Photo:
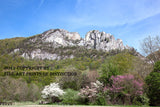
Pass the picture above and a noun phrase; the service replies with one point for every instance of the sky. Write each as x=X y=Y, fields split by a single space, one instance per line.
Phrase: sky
x=129 y=20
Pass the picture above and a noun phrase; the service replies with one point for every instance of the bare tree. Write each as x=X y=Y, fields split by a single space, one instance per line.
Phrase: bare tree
x=150 y=46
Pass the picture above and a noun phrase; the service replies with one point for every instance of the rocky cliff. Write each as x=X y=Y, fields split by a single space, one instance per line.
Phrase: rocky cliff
x=104 y=41
x=53 y=43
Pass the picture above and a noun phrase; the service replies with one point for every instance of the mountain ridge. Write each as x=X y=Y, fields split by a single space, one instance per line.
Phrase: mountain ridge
x=56 y=44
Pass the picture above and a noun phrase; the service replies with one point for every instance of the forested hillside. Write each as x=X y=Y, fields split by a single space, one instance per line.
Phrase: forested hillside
x=92 y=77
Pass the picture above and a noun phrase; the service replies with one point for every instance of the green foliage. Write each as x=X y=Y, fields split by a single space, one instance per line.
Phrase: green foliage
x=141 y=100
x=157 y=67
x=86 y=63
x=94 y=65
x=153 y=82
x=40 y=80
x=8 y=45
x=123 y=61
x=73 y=82
x=70 y=97
x=101 y=99
x=70 y=84
x=107 y=70
x=116 y=65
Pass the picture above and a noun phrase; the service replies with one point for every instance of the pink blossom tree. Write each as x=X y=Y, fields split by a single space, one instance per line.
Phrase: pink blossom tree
x=90 y=93
x=125 y=87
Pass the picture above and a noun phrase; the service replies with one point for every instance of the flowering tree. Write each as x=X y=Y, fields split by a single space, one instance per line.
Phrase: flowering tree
x=90 y=93
x=125 y=86
x=52 y=92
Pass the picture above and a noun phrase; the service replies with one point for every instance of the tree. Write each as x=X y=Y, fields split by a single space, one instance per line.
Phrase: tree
x=150 y=46
x=89 y=94
x=157 y=67
x=125 y=88
x=141 y=68
x=107 y=71
x=52 y=92
x=153 y=82
x=116 y=65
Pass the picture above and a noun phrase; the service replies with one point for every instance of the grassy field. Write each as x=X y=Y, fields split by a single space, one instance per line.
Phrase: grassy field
x=30 y=104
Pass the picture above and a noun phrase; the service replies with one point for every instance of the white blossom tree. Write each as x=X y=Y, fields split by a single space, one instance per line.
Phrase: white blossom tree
x=52 y=92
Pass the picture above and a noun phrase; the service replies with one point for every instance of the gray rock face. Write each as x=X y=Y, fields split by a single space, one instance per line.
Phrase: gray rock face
x=56 y=38
x=39 y=54
x=60 y=37
x=101 y=40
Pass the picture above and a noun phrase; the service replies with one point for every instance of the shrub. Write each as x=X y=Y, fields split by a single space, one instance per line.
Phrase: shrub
x=141 y=100
x=52 y=92
x=157 y=67
x=125 y=88
x=89 y=94
x=102 y=98
x=70 y=97
x=107 y=70
x=153 y=82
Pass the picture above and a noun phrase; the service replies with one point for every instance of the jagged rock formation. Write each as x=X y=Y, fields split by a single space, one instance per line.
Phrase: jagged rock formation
x=57 y=37
x=50 y=44
x=101 y=40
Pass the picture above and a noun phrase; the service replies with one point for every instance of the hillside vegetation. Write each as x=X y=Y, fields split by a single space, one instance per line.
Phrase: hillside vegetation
x=102 y=78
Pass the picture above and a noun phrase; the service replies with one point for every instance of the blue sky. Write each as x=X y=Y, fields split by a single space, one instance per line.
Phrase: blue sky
x=129 y=20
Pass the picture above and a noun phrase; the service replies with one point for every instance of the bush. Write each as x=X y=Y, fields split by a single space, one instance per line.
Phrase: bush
x=141 y=100
x=102 y=98
x=107 y=70
x=125 y=88
x=89 y=94
x=70 y=97
x=157 y=67
x=153 y=82
x=52 y=92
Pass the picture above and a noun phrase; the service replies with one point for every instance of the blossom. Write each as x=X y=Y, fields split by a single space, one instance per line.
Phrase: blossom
x=92 y=91
x=52 y=90
x=126 y=83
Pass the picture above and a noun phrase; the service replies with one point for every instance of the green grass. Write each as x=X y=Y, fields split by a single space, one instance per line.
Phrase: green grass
x=32 y=104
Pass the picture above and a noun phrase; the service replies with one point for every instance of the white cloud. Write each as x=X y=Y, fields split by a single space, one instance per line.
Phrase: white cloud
x=112 y=13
